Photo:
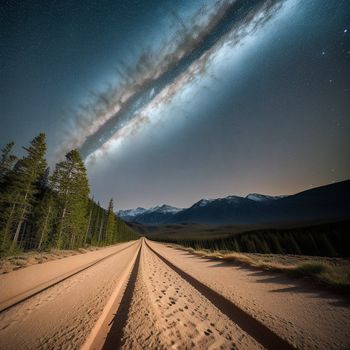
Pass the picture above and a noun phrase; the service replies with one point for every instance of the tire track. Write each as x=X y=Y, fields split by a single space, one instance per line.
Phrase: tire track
x=114 y=336
x=160 y=310
x=9 y=304
x=63 y=316
x=262 y=334
x=185 y=317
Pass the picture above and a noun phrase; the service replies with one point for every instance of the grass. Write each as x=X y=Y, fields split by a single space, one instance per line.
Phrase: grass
x=331 y=272
x=326 y=273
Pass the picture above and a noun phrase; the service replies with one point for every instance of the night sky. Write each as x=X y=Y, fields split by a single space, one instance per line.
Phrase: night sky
x=170 y=101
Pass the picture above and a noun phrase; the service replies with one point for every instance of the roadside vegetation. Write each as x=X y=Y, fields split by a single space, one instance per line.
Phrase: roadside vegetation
x=332 y=272
x=327 y=273
x=43 y=211
x=330 y=239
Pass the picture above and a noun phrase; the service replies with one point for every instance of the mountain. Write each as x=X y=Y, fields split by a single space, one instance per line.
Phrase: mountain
x=152 y=216
x=262 y=197
x=326 y=203
x=164 y=213
x=130 y=214
x=228 y=210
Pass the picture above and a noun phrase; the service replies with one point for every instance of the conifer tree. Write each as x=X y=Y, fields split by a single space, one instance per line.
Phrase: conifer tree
x=100 y=237
x=44 y=215
x=7 y=160
x=117 y=229
x=90 y=218
x=95 y=224
x=44 y=179
x=19 y=194
x=6 y=163
x=110 y=224
x=70 y=183
x=41 y=211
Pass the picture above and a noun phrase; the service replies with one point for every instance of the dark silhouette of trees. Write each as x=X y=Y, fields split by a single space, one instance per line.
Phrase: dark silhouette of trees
x=39 y=211
x=70 y=184
x=19 y=196
x=330 y=239
x=111 y=223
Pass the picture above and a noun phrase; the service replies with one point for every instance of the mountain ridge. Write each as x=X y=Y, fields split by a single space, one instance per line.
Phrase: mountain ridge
x=324 y=202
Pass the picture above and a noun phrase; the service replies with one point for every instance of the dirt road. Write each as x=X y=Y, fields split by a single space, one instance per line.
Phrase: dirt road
x=145 y=295
x=61 y=316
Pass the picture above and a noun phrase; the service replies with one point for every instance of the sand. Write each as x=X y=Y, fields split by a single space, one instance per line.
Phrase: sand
x=157 y=297
x=63 y=316
x=167 y=312
x=15 y=285
x=306 y=317
x=25 y=259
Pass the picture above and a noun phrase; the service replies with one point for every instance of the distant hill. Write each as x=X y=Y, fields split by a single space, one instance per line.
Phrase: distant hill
x=322 y=204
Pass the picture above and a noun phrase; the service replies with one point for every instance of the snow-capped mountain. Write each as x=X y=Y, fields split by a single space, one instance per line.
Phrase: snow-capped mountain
x=164 y=209
x=162 y=214
x=129 y=214
x=262 y=197
x=154 y=215
x=323 y=203
x=203 y=202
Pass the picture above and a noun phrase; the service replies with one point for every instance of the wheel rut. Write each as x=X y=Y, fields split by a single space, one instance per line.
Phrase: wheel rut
x=9 y=304
x=154 y=305
x=262 y=334
x=162 y=308
x=114 y=336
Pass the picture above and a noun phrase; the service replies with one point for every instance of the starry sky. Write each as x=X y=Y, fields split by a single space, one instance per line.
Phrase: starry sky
x=170 y=101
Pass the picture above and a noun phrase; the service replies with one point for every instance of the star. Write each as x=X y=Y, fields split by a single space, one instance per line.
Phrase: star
x=323 y=52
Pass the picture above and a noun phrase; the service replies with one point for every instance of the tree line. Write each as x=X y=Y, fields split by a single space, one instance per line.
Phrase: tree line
x=39 y=210
x=331 y=239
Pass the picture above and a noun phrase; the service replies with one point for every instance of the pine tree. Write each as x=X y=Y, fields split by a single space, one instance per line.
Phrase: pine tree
x=44 y=215
x=276 y=246
x=7 y=219
x=116 y=234
x=117 y=230
x=236 y=246
x=95 y=223
x=7 y=160
x=19 y=194
x=110 y=225
x=6 y=163
x=100 y=237
x=70 y=183
x=90 y=218
x=326 y=247
x=44 y=179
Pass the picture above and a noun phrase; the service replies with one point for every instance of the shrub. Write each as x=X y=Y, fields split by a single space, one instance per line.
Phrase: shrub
x=325 y=272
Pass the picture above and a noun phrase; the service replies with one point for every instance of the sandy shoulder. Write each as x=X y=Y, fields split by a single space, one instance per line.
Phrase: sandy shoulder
x=63 y=316
x=20 y=281
x=307 y=318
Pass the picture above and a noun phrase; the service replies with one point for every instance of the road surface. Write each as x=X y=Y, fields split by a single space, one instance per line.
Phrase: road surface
x=146 y=295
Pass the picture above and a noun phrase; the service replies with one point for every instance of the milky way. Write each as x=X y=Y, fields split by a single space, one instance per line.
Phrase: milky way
x=239 y=18
x=170 y=101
